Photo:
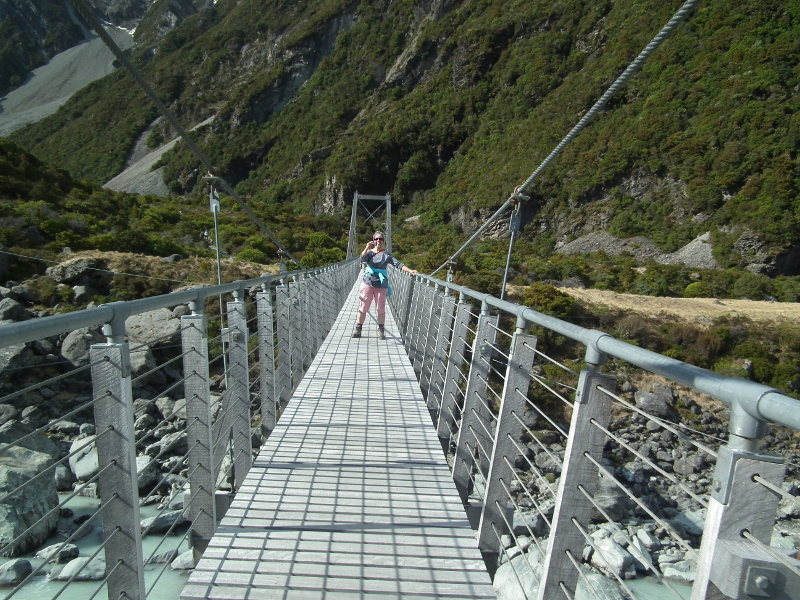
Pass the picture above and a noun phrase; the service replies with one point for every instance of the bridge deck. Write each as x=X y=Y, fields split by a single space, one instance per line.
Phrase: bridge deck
x=351 y=496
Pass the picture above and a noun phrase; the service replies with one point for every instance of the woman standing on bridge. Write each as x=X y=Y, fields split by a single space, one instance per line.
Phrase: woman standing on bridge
x=375 y=282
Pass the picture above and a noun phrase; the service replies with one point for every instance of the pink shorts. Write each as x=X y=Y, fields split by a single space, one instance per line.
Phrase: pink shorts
x=367 y=294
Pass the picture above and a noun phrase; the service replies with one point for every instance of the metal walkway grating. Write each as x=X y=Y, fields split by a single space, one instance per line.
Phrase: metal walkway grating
x=351 y=496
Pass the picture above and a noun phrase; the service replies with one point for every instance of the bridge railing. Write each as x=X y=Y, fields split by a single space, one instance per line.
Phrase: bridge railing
x=171 y=419
x=538 y=447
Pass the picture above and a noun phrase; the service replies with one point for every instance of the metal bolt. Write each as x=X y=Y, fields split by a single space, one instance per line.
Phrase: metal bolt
x=762 y=582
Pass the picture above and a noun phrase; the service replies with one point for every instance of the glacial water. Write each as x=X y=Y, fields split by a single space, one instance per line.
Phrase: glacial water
x=166 y=583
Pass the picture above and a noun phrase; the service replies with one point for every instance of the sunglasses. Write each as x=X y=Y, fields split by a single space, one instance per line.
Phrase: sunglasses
x=377 y=239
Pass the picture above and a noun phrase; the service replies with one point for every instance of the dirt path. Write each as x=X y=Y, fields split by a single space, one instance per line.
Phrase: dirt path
x=690 y=309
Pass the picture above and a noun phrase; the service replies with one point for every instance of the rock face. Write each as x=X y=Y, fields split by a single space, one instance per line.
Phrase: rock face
x=24 y=509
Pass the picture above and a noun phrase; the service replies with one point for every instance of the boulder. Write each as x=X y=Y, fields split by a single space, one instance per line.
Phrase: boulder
x=7 y=413
x=154 y=329
x=147 y=472
x=142 y=364
x=170 y=409
x=58 y=553
x=13 y=358
x=518 y=579
x=14 y=572
x=27 y=514
x=11 y=431
x=611 y=499
x=173 y=442
x=163 y=522
x=633 y=472
x=75 y=347
x=83 y=294
x=612 y=559
x=84 y=460
x=11 y=310
x=692 y=522
x=184 y=561
x=659 y=402
x=64 y=478
x=75 y=270
x=689 y=464
x=80 y=569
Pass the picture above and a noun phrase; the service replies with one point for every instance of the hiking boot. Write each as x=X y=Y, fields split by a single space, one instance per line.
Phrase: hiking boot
x=357 y=332
x=381 y=334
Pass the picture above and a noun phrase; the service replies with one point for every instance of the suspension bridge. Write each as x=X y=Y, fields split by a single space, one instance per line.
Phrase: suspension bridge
x=333 y=467
x=400 y=467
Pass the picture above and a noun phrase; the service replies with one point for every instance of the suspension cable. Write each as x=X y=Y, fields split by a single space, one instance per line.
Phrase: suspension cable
x=84 y=11
x=629 y=72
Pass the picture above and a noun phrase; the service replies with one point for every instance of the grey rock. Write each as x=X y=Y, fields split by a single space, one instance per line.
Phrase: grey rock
x=659 y=402
x=611 y=499
x=162 y=522
x=13 y=358
x=688 y=465
x=612 y=559
x=147 y=472
x=25 y=514
x=80 y=569
x=14 y=572
x=156 y=328
x=11 y=431
x=142 y=364
x=650 y=542
x=11 y=310
x=184 y=561
x=684 y=571
x=58 y=553
x=64 y=478
x=518 y=579
x=75 y=270
x=82 y=294
x=174 y=442
x=75 y=347
x=7 y=413
x=641 y=557
x=84 y=460
x=163 y=557
x=633 y=472
x=171 y=409
x=692 y=522
x=181 y=310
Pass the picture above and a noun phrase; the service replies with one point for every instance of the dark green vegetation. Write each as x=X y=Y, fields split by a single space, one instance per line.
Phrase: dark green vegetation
x=451 y=113
x=44 y=209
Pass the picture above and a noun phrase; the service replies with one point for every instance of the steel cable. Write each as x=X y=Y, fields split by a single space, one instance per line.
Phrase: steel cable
x=702 y=501
x=627 y=74
x=649 y=563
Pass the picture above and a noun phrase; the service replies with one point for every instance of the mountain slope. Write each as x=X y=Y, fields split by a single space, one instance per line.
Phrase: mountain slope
x=449 y=105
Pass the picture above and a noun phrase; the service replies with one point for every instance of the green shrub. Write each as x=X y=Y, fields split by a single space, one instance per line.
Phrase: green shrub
x=43 y=289
x=749 y=285
x=546 y=299
x=252 y=255
x=698 y=289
